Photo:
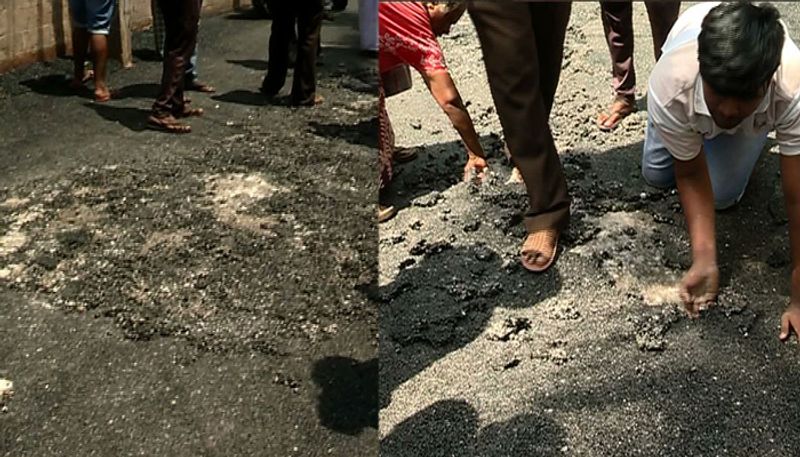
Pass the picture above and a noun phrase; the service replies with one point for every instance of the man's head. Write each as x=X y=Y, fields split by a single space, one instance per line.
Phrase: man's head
x=739 y=49
x=444 y=15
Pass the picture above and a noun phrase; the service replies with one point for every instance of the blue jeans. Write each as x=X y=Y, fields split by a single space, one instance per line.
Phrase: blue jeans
x=93 y=15
x=730 y=158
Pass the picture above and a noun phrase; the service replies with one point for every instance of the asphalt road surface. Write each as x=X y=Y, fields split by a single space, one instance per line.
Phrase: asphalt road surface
x=190 y=295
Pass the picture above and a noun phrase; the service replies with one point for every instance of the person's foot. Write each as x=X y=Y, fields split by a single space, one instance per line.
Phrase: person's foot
x=318 y=100
x=621 y=107
x=104 y=94
x=404 y=155
x=199 y=86
x=539 y=250
x=79 y=81
x=385 y=213
x=370 y=53
x=167 y=124
x=190 y=112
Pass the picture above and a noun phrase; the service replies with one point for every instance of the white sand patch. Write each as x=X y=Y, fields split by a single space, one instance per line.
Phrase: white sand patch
x=233 y=194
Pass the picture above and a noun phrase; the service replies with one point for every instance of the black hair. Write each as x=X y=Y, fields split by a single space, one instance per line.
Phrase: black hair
x=740 y=48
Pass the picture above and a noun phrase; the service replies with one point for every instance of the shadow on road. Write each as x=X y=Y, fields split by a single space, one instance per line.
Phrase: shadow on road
x=134 y=119
x=55 y=85
x=147 y=55
x=451 y=428
x=443 y=300
x=246 y=15
x=429 y=173
x=348 y=401
x=247 y=97
x=364 y=132
x=140 y=90
x=252 y=64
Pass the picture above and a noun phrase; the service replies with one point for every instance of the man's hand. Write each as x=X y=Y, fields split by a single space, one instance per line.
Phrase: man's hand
x=790 y=321
x=476 y=167
x=699 y=287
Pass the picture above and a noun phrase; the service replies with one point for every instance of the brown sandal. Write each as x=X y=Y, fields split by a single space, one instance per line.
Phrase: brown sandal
x=385 y=213
x=167 y=124
x=621 y=107
x=404 y=155
x=112 y=94
x=198 y=86
x=542 y=244
x=190 y=112
x=74 y=84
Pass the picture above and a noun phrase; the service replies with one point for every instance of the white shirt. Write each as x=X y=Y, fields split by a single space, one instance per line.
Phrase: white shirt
x=677 y=108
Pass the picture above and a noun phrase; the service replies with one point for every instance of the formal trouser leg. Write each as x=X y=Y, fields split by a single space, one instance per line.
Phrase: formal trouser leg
x=309 y=25
x=181 y=18
x=518 y=81
x=618 y=26
x=283 y=23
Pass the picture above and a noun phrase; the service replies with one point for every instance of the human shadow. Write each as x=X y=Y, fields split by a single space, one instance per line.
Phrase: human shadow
x=704 y=405
x=437 y=167
x=142 y=90
x=247 y=14
x=252 y=64
x=250 y=98
x=451 y=428
x=134 y=119
x=348 y=399
x=147 y=55
x=363 y=132
x=442 y=299
x=55 y=85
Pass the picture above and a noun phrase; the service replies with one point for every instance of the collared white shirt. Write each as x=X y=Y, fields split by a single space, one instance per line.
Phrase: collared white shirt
x=677 y=108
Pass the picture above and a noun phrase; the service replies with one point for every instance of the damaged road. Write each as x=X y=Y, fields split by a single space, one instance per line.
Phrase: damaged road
x=595 y=356
x=195 y=295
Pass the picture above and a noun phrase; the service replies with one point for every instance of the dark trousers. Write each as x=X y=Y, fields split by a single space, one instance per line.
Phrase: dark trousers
x=523 y=45
x=618 y=25
x=181 y=18
x=306 y=15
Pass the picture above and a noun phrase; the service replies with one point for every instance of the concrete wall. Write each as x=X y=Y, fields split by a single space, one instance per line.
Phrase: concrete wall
x=34 y=30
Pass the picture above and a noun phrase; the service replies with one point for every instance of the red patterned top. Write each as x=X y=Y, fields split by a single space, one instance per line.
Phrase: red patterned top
x=406 y=37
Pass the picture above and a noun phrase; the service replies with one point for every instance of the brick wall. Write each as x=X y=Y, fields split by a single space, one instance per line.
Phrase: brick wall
x=34 y=30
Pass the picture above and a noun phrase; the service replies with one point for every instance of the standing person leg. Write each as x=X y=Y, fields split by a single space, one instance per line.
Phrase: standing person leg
x=550 y=22
x=180 y=20
x=192 y=75
x=309 y=24
x=385 y=155
x=662 y=17
x=158 y=27
x=80 y=42
x=618 y=26
x=100 y=14
x=510 y=50
x=283 y=23
x=368 y=25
